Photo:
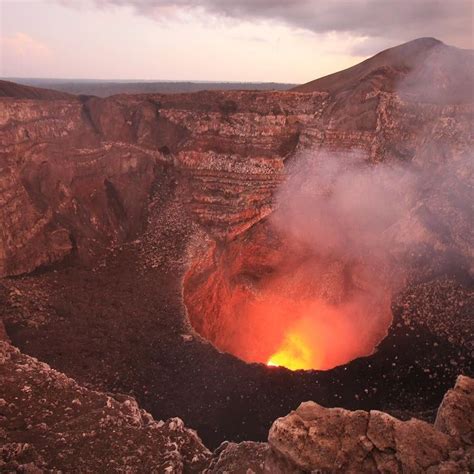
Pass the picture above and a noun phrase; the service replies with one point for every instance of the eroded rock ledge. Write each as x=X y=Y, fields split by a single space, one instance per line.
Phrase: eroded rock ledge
x=49 y=422
x=338 y=440
x=76 y=175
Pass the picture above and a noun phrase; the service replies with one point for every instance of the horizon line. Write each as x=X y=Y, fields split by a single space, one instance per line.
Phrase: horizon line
x=194 y=81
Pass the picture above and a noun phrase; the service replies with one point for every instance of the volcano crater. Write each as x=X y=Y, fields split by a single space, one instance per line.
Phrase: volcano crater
x=265 y=299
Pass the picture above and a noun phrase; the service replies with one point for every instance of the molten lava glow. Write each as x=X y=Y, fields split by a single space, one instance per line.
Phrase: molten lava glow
x=294 y=354
x=298 y=333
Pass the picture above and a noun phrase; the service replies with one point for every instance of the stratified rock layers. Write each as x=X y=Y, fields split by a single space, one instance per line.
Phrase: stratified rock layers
x=75 y=176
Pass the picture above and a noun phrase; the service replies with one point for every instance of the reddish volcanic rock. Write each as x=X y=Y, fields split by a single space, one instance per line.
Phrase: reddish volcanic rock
x=239 y=298
x=82 y=172
x=50 y=422
x=156 y=200
x=85 y=182
x=337 y=440
x=453 y=414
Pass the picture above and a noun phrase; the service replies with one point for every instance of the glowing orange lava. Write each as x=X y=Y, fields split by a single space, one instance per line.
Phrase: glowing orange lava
x=294 y=354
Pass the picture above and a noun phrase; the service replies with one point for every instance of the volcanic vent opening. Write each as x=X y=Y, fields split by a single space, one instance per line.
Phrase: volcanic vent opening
x=267 y=300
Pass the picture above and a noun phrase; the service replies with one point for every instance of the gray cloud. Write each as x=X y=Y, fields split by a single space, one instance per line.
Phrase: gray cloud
x=384 y=22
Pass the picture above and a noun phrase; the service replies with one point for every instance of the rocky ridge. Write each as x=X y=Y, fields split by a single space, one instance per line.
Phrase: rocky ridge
x=336 y=440
x=407 y=69
x=82 y=180
x=81 y=169
x=317 y=439
x=21 y=91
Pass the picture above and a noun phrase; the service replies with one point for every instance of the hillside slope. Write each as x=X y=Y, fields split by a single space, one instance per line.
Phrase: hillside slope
x=424 y=69
x=20 y=91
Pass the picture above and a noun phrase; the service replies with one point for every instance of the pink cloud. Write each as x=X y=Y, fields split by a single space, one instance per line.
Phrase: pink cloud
x=23 y=45
x=20 y=54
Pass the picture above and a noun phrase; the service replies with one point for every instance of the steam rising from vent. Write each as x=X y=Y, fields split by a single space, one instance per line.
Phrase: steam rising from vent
x=341 y=209
x=339 y=212
x=340 y=205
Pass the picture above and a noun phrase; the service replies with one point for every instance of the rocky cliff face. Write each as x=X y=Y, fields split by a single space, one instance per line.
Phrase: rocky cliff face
x=65 y=187
x=81 y=171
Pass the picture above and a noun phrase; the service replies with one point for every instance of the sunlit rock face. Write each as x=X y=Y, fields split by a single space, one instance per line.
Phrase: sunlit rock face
x=421 y=70
x=81 y=169
x=67 y=183
x=102 y=432
x=337 y=440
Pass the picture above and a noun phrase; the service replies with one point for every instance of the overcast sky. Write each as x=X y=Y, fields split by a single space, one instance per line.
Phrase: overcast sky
x=217 y=40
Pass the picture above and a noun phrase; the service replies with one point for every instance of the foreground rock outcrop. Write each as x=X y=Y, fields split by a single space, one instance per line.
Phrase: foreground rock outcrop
x=318 y=439
x=338 y=440
x=49 y=422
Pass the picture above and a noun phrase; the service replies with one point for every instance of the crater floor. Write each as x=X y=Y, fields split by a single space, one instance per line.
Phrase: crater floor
x=122 y=327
